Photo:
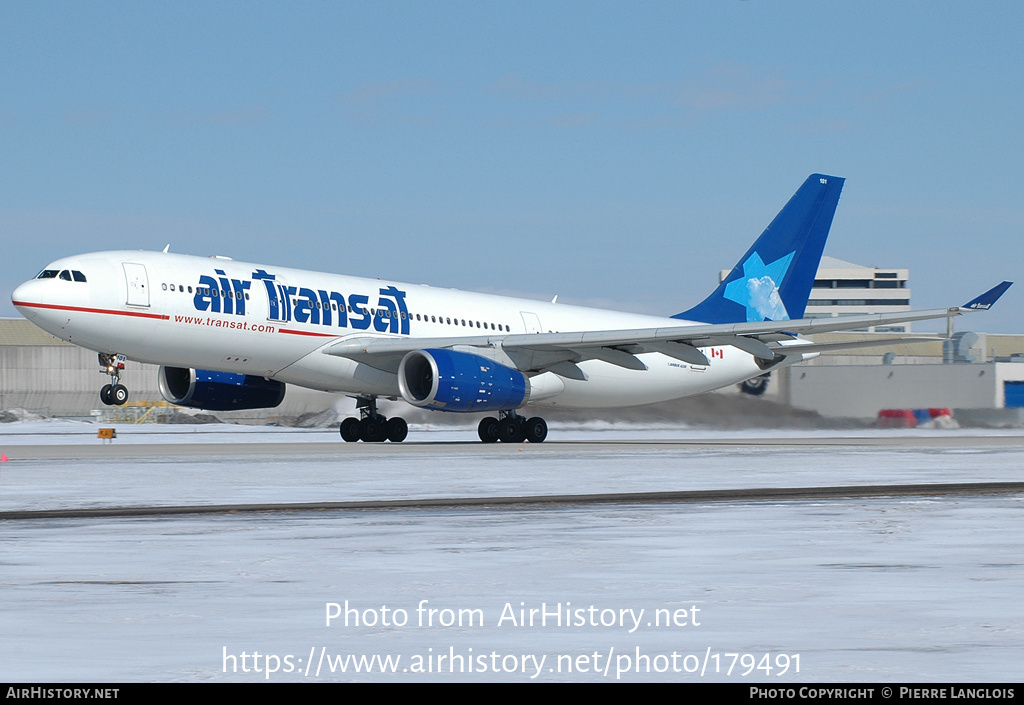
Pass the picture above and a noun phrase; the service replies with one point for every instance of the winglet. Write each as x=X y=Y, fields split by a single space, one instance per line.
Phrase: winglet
x=985 y=301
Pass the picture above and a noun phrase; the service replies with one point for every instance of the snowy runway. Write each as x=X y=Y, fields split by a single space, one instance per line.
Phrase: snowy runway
x=850 y=590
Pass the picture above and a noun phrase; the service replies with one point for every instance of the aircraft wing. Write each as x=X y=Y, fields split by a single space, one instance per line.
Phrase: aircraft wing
x=559 y=352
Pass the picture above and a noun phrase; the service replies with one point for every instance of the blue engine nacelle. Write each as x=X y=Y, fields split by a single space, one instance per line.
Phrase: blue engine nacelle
x=218 y=391
x=456 y=381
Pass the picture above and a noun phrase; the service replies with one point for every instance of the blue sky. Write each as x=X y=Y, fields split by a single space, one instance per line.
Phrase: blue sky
x=614 y=154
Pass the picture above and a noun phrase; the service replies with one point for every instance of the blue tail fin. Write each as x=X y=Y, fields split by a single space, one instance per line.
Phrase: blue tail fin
x=773 y=280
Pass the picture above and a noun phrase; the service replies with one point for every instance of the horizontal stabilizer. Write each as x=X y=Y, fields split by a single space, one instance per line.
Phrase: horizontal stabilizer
x=801 y=348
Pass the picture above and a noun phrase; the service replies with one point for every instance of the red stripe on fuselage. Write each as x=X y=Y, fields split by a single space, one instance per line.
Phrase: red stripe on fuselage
x=82 y=309
x=141 y=314
x=302 y=332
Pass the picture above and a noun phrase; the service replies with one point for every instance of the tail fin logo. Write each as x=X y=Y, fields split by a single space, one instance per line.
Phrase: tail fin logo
x=758 y=290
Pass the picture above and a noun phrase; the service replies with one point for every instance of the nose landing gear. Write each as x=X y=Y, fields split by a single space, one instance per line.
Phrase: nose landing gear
x=115 y=393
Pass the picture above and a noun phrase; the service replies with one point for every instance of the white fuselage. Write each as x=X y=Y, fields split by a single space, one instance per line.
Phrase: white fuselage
x=219 y=314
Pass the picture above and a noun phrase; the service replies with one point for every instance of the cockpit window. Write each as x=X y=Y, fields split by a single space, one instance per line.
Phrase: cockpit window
x=63 y=274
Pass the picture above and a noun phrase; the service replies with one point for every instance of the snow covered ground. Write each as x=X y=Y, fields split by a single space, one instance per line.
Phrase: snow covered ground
x=851 y=590
x=36 y=431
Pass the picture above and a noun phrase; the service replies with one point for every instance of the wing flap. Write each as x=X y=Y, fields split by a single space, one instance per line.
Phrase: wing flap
x=679 y=351
x=748 y=345
x=611 y=356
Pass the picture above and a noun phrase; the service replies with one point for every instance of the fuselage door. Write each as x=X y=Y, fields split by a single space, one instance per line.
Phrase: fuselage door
x=138 y=284
x=531 y=321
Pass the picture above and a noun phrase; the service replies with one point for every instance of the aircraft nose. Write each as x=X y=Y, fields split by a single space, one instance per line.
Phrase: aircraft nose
x=24 y=295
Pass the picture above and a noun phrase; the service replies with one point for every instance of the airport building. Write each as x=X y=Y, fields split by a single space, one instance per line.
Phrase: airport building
x=846 y=289
x=979 y=376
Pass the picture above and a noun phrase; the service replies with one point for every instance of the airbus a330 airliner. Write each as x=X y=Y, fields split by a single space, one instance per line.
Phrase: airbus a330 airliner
x=230 y=335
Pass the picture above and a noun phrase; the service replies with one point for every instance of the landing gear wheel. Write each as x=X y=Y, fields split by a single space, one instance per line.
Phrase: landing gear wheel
x=489 y=430
x=536 y=430
x=756 y=386
x=115 y=393
x=374 y=429
x=119 y=394
x=397 y=429
x=511 y=431
x=350 y=430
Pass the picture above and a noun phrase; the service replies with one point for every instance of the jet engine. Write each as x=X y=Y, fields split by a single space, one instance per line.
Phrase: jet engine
x=449 y=380
x=218 y=391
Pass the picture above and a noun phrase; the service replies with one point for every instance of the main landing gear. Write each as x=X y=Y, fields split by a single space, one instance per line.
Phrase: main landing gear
x=372 y=427
x=115 y=393
x=510 y=427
